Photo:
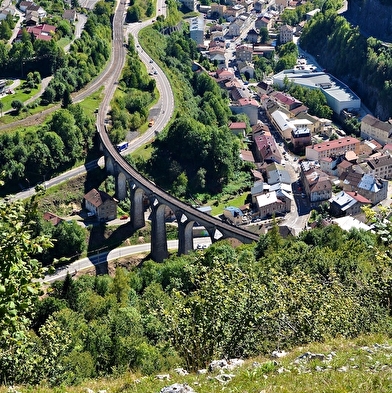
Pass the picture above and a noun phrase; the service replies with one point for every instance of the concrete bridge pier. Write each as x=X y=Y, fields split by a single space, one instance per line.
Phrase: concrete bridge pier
x=159 y=250
x=185 y=233
x=121 y=186
x=137 y=208
x=109 y=165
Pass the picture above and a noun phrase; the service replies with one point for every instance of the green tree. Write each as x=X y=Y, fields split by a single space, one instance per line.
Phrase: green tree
x=71 y=239
x=67 y=99
x=19 y=281
x=17 y=105
x=264 y=36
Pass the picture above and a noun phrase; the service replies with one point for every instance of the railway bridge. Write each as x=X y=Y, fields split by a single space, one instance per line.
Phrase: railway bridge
x=130 y=183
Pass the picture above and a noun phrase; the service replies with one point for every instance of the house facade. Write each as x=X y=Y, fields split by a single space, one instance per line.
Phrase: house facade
x=286 y=34
x=244 y=53
x=265 y=148
x=381 y=166
x=249 y=107
x=317 y=185
x=373 y=128
x=332 y=148
x=196 y=30
x=269 y=204
x=347 y=203
x=101 y=204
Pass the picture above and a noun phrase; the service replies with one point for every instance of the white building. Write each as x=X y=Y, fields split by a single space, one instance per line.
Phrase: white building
x=286 y=34
x=338 y=95
x=196 y=30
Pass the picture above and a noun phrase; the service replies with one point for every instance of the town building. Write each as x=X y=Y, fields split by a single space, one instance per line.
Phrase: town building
x=41 y=32
x=196 y=30
x=332 y=148
x=270 y=204
x=238 y=128
x=244 y=53
x=339 y=96
x=347 y=203
x=218 y=9
x=233 y=214
x=101 y=204
x=190 y=4
x=381 y=166
x=286 y=34
x=249 y=107
x=266 y=149
x=373 y=128
x=317 y=184
x=264 y=22
x=300 y=138
x=253 y=36
x=286 y=126
x=236 y=27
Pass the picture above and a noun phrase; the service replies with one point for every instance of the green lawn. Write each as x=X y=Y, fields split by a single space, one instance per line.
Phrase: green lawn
x=92 y=102
x=143 y=152
x=63 y=42
x=219 y=205
x=20 y=94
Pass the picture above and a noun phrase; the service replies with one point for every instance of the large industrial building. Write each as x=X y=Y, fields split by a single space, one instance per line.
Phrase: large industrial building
x=338 y=95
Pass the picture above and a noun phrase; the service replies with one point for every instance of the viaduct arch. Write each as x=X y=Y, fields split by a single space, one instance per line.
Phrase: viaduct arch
x=131 y=183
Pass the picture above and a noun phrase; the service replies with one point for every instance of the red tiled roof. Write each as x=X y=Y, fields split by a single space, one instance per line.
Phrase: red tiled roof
x=237 y=125
x=247 y=155
x=96 y=197
x=335 y=143
x=358 y=197
x=248 y=101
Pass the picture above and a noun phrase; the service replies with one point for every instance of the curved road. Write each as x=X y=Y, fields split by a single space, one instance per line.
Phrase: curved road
x=108 y=256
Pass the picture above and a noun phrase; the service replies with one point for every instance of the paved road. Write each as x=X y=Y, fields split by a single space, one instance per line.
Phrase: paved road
x=107 y=256
x=163 y=110
x=165 y=104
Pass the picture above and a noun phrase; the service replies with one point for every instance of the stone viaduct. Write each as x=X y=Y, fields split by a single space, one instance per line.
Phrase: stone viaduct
x=130 y=183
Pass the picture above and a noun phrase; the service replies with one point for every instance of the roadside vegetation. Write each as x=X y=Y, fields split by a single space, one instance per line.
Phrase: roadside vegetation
x=135 y=95
x=202 y=153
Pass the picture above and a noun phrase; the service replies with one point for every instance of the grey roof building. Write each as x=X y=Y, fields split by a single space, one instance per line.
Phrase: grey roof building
x=338 y=95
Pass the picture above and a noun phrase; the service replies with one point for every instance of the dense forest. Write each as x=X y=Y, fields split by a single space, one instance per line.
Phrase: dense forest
x=221 y=302
x=363 y=64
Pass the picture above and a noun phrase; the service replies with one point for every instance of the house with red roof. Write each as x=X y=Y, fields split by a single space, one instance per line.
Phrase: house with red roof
x=332 y=148
x=249 y=107
x=266 y=149
x=238 y=127
x=40 y=32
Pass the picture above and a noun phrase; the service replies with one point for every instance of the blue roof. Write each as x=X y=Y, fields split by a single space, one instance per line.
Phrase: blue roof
x=235 y=211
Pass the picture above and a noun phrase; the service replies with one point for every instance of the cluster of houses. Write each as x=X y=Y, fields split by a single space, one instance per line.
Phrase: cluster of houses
x=359 y=169
x=34 y=17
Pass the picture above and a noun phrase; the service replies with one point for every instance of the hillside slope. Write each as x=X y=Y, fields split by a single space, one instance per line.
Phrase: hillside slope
x=361 y=365
x=374 y=17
